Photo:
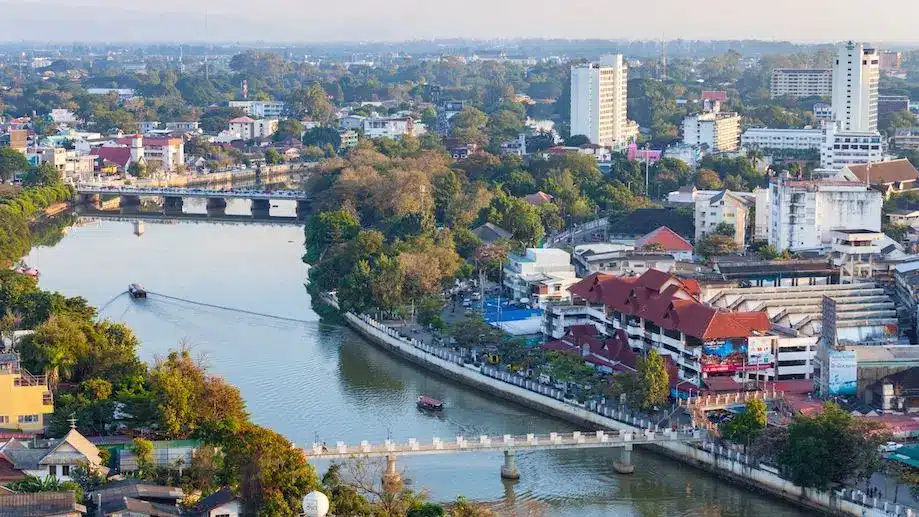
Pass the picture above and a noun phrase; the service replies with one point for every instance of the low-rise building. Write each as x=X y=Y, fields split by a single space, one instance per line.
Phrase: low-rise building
x=889 y=177
x=41 y=504
x=725 y=207
x=687 y=195
x=251 y=129
x=850 y=148
x=388 y=127
x=906 y=138
x=62 y=116
x=55 y=457
x=137 y=498
x=666 y=240
x=783 y=139
x=890 y=104
x=349 y=138
x=618 y=260
x=166 y=153
x=25 y=399
x=260 y=109
x=540 y=275
x=182 y=126
x=222 y=503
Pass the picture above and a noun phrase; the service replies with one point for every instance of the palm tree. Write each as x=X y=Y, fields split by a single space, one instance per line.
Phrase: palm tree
x=8 y=324
x=58 y=365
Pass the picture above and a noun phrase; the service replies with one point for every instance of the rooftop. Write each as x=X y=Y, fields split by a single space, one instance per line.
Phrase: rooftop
x=880 y=173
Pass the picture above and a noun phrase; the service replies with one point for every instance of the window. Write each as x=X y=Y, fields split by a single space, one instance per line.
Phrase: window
x=4 y=419
x=65 y=470
x=222 y=515
x=28 y=419
x=52 y=470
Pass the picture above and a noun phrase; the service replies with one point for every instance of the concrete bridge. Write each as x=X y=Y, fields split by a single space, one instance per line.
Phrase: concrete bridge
x=510 y=444
x=173 y=198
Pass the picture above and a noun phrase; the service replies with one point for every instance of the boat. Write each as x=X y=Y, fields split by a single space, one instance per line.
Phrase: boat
x=137 y=291
x=427 y=403
x=29 y=271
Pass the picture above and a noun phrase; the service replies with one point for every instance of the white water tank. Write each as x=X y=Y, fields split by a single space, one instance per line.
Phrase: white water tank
x=315 y=504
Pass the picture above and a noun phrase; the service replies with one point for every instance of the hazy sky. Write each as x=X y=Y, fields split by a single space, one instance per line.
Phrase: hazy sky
x=397 y=20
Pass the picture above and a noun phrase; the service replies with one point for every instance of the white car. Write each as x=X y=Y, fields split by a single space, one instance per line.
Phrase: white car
x=889 y=447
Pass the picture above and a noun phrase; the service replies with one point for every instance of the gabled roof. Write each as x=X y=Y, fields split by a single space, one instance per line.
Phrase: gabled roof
x=893 y=171
x=73 y=447
x=39 y=504
x=666 y=238
x=670 y=303
x=538 y=198
x=132 y=506
x=490 y=233
x=218 y=498
x=242 y=120
x=118 y=155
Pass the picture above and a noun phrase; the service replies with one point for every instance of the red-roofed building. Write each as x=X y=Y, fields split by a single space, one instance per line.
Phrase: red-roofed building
x=166 y=153
x=539 y=198
x=666 y=240
x=664 y=312
x=117 y=156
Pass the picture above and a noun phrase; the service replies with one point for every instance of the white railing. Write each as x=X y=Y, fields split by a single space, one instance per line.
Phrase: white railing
x=192 y=192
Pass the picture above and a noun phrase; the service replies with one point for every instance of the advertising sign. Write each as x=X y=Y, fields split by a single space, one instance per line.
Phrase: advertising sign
x=843 y=373
x=729 y=356
x=759 y=352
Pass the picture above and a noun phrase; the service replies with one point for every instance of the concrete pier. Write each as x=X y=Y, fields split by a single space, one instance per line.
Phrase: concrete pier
x=260 y=208
x=624 y=464
x=303 y=209
x=216 y=206
x=172 y=205
x=509 y=469
x=129 y=204
x=392 y=480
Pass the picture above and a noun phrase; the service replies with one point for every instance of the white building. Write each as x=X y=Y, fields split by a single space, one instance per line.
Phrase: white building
x=907 y=138
x=856 y=72
x=724 y=207
x=249 y=129
x=598 y=101
x=843 y=148
x=540 y=275
x=62 y=116
x=794 y=139
x=56 y=457
x=801 y=82
x=716 y=131
x=260 y=109
x=803 y=214
x=184 y=126
x=388 y=127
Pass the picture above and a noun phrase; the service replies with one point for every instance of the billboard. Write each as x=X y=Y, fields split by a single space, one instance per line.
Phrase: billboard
x=732 y=355
x=760 y=352
x=842 y=373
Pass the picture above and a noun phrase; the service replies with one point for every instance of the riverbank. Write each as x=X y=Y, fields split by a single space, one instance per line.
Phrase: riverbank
x=729 y=465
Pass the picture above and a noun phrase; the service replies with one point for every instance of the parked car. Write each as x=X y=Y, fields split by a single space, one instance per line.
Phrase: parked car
x=889 y=447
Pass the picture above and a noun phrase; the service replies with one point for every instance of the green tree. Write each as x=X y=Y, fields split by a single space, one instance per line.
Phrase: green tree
x=745 y=427
x=138 y=170
x=653 y=379
x=524 y=223
x=43 y=175
x=11 y=163
x=708 y=179
x=328 y=228
x=469 y=127
x=273 y=157
x=713 y=245
x=54 y=348
x=832 y=447
x=272 y=474
x=288 y=129
x=322 y=137
x=143 y=451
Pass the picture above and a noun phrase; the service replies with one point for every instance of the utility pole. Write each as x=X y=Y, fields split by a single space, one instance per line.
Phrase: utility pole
x=647 y=168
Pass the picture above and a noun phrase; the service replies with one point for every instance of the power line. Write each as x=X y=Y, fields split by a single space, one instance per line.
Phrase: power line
x=225 y=308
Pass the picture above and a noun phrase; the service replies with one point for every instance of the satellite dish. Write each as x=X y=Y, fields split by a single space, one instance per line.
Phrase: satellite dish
x=315 y=504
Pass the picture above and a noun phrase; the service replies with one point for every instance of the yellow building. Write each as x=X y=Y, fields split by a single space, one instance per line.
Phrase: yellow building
x=25 y=400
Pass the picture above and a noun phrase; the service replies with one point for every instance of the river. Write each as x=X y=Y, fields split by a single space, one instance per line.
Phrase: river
x=311 y=379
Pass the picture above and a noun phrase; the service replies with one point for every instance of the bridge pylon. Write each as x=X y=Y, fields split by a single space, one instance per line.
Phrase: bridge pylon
x=392 y=480
x=509 y=469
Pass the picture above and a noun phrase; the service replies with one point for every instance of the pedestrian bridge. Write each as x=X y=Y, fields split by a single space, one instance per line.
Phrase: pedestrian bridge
x=173 y=192
x=623 y=440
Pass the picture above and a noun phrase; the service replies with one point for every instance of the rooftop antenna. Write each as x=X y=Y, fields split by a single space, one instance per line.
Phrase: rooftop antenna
x=73 y=420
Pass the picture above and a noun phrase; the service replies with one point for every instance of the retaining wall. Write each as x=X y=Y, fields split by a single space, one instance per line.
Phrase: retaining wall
x=724 y=463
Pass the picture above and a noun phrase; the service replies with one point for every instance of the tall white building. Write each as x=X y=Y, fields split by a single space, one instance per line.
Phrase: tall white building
x=856 y=72
x=598 y=101
x=804 y=214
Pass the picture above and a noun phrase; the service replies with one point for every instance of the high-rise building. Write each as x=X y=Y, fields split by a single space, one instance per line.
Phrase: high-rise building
x=801 y=82
x=598 y=101
x=856 y=72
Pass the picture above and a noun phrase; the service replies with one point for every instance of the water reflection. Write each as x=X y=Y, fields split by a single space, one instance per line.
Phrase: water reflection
x=319 y=379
